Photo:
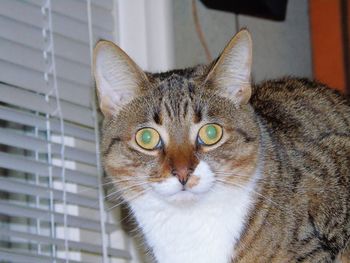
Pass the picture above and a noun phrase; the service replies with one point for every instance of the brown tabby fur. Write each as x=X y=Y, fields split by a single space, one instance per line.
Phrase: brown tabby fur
x=307 y=175
x=302 y=207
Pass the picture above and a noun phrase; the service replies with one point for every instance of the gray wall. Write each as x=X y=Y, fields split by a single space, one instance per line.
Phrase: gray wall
x=280 y=48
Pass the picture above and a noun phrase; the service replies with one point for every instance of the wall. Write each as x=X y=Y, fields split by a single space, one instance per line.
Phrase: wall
x=280 y=48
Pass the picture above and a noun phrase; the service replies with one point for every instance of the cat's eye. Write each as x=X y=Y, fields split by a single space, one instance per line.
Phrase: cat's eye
x=210 y=134
x=148 y=139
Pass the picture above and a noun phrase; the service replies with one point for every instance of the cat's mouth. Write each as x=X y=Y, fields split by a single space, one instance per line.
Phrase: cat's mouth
x=180 y=196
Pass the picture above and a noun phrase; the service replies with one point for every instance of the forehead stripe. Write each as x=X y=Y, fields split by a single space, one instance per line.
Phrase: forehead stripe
x=197 y=114
x=185 y=110
x=111 y=144
x=167 y=108
x=156 y=117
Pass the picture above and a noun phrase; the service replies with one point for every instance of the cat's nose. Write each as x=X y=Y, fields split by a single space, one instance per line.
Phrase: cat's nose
x=182 y=174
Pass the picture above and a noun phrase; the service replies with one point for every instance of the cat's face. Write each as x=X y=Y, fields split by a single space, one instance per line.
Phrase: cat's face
x=179 y=134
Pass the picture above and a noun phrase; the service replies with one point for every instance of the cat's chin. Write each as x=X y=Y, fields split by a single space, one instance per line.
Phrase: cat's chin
x=183 y=197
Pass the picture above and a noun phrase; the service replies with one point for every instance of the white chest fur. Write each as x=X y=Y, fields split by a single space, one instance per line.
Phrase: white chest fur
x=204 y=232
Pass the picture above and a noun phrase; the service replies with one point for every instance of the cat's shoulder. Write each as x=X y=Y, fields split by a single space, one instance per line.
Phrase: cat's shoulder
x=295 y=90
x=298 y=105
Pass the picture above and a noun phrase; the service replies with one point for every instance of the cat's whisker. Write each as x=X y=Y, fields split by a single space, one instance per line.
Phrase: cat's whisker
x=224 y=175
x=117 y=181
x=120 y=202
x=253 y=191
x=128 y=179
x=110 y=182
x=219 y=174
x=125 y=189
x=228 y=173
x=127 y=200
x=116 y=205
x=107 y=183
x=92 y=189
x=109 y=196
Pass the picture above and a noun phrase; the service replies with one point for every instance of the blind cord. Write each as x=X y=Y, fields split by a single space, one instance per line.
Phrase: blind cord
x=200 y=32
x=103 y=217
x=51 y=70
x=48 y=131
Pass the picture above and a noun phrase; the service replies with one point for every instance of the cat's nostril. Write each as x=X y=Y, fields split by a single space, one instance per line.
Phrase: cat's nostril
x=183 y=181
x=182 y=174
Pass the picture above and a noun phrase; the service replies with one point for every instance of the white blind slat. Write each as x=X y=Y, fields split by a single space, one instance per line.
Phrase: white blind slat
x=34 y=80
x=107 y=4
x=23 y=164
x=33 y=101
x=13 y=138
x=12 y=209
x=33 y=59
x=20 y=257
x=77 y=10
x=31 y=14
x=16 y=186
x=28 y=35
x=30 y=119
x=118 y=253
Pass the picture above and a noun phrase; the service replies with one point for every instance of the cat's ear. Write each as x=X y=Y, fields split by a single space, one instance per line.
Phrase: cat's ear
x=230 y=75
x=117 y=76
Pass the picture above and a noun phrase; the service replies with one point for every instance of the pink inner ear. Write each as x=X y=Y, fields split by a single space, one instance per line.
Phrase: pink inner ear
x=106 y=106
x=117 y=77
x=114 y=100
x=231 y=73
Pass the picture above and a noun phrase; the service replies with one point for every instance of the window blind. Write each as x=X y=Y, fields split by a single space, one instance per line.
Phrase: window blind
x=52 y=205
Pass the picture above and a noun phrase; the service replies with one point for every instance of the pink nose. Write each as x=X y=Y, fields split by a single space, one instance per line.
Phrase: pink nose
x=182 y=174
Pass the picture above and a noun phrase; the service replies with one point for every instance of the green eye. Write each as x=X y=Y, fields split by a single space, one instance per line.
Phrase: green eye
x=210 y=134
x=147 y=138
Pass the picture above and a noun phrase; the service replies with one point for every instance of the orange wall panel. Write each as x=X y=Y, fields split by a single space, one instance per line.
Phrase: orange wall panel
x=327 y=42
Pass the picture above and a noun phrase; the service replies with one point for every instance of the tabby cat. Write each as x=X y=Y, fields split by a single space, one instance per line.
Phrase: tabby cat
x=216 y=170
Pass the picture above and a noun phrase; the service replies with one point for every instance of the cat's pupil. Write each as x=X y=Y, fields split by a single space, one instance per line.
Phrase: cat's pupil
x=146 y=137
x=211 y=132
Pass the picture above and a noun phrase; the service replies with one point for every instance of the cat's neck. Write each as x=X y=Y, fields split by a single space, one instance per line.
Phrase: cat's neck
x=205 y=232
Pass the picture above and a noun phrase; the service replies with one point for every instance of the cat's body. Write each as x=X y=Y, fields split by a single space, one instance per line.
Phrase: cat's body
x=267 y=180
x=306 y=175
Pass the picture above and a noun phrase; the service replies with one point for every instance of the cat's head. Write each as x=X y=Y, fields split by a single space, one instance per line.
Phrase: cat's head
x=178 y=134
